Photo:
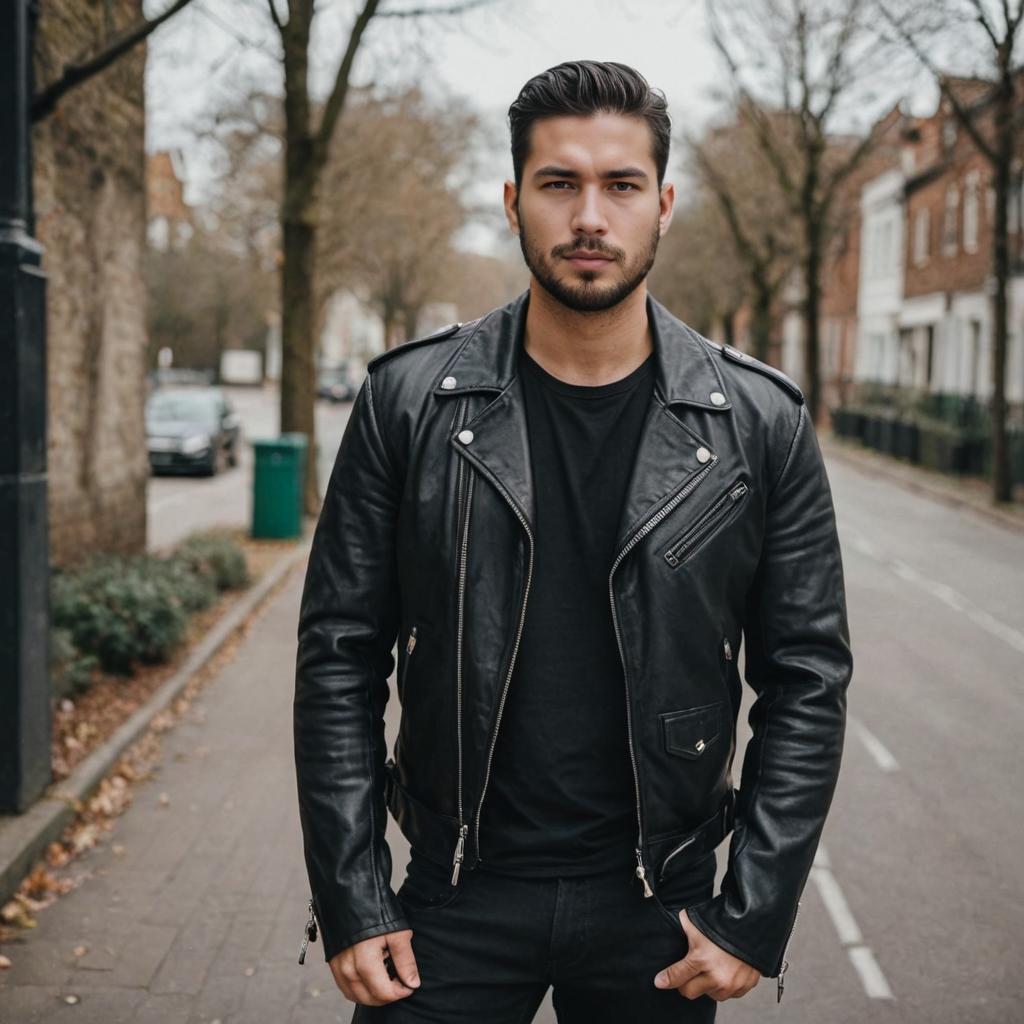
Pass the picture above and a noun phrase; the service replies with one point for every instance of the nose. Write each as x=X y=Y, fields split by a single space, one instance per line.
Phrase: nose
x=588 y=216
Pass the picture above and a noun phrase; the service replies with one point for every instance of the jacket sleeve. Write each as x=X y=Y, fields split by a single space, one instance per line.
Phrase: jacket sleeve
x=348 y=623
x=799 y=662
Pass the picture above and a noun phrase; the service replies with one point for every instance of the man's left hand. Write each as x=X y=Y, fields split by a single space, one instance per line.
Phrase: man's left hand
x=707 y=968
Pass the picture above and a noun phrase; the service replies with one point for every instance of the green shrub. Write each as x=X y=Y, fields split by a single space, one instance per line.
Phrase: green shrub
x=216 y=557
x=114 y=611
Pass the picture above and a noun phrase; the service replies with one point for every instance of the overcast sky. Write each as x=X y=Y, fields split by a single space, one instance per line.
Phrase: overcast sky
x=217 y=48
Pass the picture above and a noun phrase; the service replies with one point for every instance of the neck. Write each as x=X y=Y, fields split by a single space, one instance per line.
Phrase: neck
x=587 y=348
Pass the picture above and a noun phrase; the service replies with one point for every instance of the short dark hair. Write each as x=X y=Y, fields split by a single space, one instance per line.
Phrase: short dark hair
x=587 y=87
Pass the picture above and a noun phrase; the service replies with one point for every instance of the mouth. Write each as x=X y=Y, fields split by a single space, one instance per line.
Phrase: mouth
x=589 y=260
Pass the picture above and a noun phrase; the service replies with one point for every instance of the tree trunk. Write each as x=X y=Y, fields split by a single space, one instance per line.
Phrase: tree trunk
x=761 y=319
x=812 y=306
x=1001 y=484
x=298 y=231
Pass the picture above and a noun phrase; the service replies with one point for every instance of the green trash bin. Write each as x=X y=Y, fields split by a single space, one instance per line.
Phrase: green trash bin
x=279 y=468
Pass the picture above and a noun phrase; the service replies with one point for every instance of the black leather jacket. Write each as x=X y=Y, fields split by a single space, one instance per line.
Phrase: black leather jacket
x=727 y=534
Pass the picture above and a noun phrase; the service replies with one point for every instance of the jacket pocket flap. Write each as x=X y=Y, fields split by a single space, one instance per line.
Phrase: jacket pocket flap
x=690 y=733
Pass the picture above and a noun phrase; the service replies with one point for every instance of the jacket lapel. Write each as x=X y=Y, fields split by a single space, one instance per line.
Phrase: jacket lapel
x=669 y=451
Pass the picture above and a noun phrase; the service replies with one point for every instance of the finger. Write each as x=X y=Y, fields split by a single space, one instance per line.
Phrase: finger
x=404 y=959
x=363 y=995
x=701 y=985
x=692 y=934
x=677 y=974
x=374 y=975
x=746 y=987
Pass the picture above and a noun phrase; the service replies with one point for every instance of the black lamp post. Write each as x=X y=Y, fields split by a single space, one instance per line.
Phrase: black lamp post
x=24 y=545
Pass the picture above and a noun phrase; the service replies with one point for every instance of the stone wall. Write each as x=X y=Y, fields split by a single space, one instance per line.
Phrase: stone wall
x=90 y=206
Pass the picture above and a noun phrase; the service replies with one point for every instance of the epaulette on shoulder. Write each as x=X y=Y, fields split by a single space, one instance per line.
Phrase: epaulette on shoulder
x=744 y=359
x=439 y=335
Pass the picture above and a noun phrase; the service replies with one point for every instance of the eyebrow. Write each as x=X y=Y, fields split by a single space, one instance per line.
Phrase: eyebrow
x=551 y=171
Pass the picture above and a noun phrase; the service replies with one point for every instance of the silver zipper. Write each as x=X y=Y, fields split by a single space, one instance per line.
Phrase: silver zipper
x=463 y=551
x=310 y=933
x=641 y=871
x=785 y=962
x=674 y=555
x=679 y=849
x=411 y=642
x=511 y=666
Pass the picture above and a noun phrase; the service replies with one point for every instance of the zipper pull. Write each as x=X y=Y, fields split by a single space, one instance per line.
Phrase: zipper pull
x=728 y=649
x=460 y=848
x=310 y=934
x=782 y=983
x=641 y=873
x=411 y=643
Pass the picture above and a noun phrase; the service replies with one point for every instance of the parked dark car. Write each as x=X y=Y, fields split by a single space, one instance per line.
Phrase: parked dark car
x=191 y=430
x=334 y=384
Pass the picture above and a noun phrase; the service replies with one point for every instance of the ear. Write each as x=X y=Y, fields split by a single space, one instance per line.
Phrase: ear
x=666 y=201
x=511 y=196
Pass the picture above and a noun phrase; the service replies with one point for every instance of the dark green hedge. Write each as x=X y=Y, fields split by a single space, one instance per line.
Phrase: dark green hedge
x=114 y=612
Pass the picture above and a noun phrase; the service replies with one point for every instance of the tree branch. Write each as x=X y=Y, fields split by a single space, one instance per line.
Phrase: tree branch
x=336 y=101
x=962 y=114
x=274 y=16
x=74 y=74
x=419 y=12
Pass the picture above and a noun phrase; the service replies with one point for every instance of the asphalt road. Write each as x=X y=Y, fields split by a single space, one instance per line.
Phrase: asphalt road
x=915 y=909
x=179 y=505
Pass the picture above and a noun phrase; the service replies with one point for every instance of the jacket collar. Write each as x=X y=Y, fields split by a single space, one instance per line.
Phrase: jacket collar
x=685 y=369
x=671 y=457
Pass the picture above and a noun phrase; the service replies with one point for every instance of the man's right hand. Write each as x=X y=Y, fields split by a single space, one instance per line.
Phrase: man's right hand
x=361 y=974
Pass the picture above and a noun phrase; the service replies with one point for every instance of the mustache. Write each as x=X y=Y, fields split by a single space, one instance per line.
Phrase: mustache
x=583 y=245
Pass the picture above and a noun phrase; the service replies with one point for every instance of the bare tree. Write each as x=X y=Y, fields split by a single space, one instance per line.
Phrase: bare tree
x=794 y=65
x=991 y=118
x=734 y=172
x=116 y=44
x=307 y=141
x=395 y=241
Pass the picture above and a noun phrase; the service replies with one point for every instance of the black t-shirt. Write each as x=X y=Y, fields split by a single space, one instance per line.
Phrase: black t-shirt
x=561 y=798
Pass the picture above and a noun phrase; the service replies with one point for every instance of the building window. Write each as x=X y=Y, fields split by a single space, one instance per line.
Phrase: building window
x=922 y=231
x=949 y=225
x=974 y=355
x=971 y=213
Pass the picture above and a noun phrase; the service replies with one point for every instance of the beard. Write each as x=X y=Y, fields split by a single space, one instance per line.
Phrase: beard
x=585 y=293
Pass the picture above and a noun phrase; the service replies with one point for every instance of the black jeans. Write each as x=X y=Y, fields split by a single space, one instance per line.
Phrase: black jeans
x=489 y=948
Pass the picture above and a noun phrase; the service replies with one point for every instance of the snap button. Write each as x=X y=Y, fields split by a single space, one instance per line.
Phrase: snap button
x=717 y=398
x=465 y=436
x=448 y=383
x=703 y=454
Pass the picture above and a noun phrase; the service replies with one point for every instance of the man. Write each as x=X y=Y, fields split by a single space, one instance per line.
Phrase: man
x=570 y=512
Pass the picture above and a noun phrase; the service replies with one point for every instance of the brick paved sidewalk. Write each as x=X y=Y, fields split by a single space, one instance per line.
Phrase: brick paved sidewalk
x=201 y=917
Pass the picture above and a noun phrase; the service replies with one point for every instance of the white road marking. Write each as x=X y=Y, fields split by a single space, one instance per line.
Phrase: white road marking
x=875 y=747
x=941 y=592
x=837 y=907
x=863 y=960
x=871 y=975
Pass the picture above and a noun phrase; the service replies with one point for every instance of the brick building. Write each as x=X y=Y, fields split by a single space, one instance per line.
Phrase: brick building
x=937 y=336
x=169 y=217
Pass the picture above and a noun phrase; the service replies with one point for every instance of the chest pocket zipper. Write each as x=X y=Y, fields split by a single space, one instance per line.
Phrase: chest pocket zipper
x=703 y=529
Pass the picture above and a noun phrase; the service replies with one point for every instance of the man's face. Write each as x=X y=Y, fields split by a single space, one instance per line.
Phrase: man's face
x=588 y=211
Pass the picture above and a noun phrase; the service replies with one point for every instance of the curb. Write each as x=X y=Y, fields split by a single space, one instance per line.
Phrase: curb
x=25 y=837
x=908 y=477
